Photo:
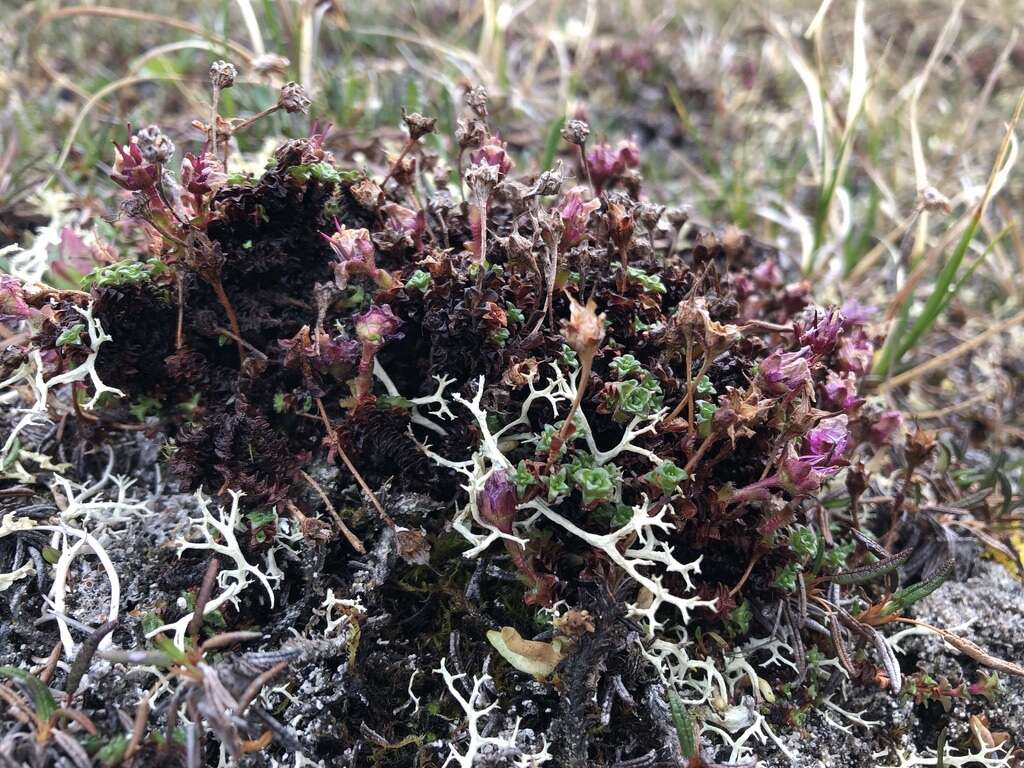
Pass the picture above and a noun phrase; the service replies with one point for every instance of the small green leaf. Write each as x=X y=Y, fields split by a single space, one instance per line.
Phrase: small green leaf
x=42 y=699
x=71 y=335
x=684 y=726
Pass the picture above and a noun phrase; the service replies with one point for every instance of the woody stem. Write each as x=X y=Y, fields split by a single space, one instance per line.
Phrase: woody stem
x=225 y=303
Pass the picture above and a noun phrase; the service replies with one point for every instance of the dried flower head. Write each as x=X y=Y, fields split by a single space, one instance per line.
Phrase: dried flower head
x=584 y=330
x=222 y=74
x=476 y=100
x=293 y=98
x=576 y=132
x=155 y=145
x=418 y=125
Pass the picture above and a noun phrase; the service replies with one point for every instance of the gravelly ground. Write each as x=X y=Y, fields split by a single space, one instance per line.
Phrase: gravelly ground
x=991 y=605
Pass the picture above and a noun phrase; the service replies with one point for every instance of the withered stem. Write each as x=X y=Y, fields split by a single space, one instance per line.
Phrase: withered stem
x=225 y=303
x=333 y=435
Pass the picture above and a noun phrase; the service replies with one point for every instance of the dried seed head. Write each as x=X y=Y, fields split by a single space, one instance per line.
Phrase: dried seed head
x=205 y=256
x=413 y=546
x=549 y=182
x=678 y=216
x=584 y=330
x=367 y=193
x=136 y=206
x=481 y=179
x=620 y=225
x=576 y=132
x=476 y=99
x=920 y=444
x=293 y=98
x=155 y=145
x=470 y=133
x=418 y=125
x=649 y=214
x=222 y=75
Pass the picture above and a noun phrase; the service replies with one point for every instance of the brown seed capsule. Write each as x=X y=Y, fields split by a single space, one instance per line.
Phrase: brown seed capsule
x=367 y=193
x=576 y=132
x=920 y=444
x=470 y=133
x=620 y=225
x=418 y=125
x=293 y=98
x=222 y=74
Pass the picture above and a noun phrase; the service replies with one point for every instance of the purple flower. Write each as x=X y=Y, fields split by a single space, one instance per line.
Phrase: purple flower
x=131 y=169
x=822 y=333
x=767 y=274
x=829 y=439
x=493 y=152
x=856 y=314
x=885 y=427
x=355 y=253
x=375 y=324
x=575 y=213
x=841 y=389
x=404 y=220
x=202 y=173
x=856 y=352
x=606 y=163
x=12 y=299
x=785 y=373
x=800 y=476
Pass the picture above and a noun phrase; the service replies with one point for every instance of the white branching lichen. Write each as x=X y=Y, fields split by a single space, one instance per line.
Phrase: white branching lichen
x=30 y=375
x=986 y=757
x=479 y=745
x=218 y=532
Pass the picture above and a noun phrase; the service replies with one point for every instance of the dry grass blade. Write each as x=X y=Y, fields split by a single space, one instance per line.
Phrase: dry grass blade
x=971 y=650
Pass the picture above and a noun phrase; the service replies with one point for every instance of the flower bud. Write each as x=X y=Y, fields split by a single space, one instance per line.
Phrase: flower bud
x=885 y=427
x=202 y=174
x=829 y=439
x=12 y=299
x=822 y=333
x=841 y=390
x=497 y=501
